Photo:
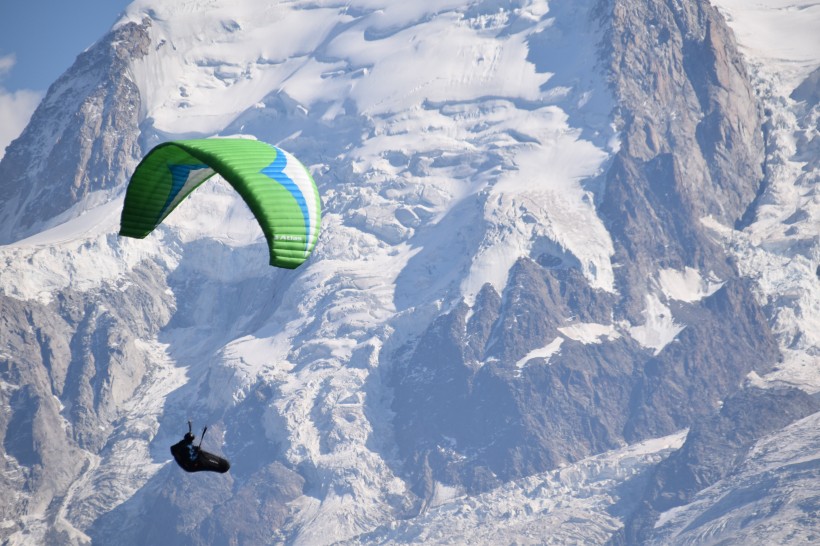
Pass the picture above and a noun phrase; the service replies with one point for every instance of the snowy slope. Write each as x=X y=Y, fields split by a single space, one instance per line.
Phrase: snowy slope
x=778 y=37
x=325 y=55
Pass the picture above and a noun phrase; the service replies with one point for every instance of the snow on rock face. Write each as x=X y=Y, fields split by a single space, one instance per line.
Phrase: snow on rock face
x=659 y=327
x=210 y=63
x=687 y=285
x=779 y=247
x=589 y=332
x=81 y=254
x=81 y=143
x=756 y=484
x=464 y=89
x=583 y=332
x=544 y=352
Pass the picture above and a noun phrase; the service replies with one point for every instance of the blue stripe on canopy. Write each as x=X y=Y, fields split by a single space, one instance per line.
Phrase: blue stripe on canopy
x=276 y=171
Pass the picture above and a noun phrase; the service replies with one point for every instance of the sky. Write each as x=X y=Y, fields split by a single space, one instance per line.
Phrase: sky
x=39 y=40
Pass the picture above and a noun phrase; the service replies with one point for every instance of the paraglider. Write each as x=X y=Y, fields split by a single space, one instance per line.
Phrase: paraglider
x=276 y=187
x=192 y=458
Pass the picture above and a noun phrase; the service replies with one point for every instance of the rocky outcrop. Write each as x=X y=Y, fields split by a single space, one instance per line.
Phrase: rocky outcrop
x=692 y=143
x=59 y=159
x=67 y=367
x=472 y=409
x=186 y=509
x=715 y=447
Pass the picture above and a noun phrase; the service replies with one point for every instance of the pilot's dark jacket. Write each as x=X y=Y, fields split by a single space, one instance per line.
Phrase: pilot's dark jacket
x=193 y=459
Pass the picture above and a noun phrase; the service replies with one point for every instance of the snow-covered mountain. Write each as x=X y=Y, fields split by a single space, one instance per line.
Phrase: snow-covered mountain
x=565 y=291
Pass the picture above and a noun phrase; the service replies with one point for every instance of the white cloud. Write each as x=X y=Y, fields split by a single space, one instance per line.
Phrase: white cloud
x=16 y=107
x=6 y=62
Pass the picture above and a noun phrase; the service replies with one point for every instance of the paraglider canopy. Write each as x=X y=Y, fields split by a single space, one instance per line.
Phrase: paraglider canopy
x=275 y=185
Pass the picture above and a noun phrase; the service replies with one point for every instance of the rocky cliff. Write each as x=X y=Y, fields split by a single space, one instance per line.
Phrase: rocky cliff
x=82 y=139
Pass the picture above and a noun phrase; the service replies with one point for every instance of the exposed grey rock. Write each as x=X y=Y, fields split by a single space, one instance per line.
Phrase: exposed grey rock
x=726 y=337
x=771 y=496
x=692 y=142
x=201 y=509
x=715 y=447
x=58 y=160
x=466 y=416
x=809 y=89
x=248 y=505
x=692 y=147
x=66 y=369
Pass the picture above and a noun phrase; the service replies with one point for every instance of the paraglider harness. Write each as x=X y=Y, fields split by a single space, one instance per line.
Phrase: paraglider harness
x=194 y=459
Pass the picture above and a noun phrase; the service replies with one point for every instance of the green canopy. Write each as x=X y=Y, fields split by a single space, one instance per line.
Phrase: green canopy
x=275 y=185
